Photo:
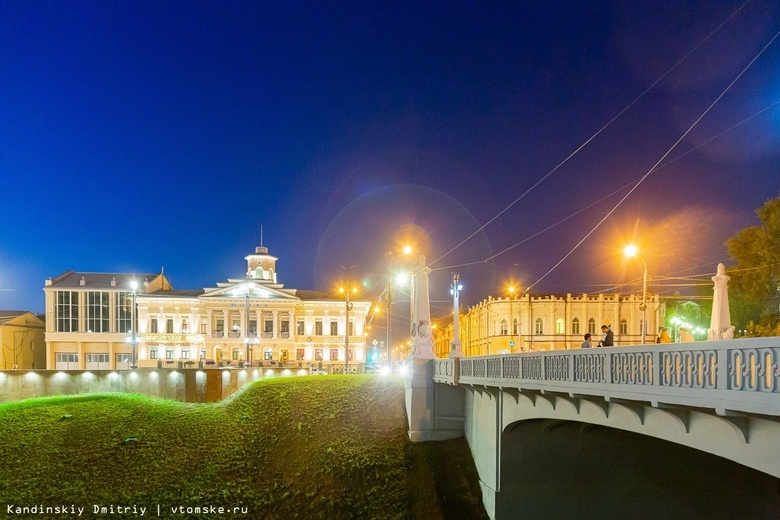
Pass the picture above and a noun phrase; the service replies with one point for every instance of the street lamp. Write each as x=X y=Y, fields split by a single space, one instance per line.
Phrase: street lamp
x=389 y=298
x=348 y=306
x=511 y=317
x=456 y=348
x=631 y=251
x=134 y=287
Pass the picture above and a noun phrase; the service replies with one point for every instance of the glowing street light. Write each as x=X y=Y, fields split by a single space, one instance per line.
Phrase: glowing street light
x=631 y=251
x=348 y=305
x=134 y=287
x=389 y=297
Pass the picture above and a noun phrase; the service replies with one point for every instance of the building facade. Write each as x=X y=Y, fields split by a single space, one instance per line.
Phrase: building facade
x=92 y=320
x=22 y=343
x=549 y=322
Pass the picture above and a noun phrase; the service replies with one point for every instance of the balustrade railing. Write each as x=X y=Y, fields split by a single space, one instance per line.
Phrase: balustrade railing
x=693 y=371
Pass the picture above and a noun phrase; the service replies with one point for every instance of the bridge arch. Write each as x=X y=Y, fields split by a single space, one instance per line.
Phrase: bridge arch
x=567 y=469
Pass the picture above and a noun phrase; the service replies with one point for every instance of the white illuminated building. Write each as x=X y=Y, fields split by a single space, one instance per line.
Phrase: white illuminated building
x=89 y=323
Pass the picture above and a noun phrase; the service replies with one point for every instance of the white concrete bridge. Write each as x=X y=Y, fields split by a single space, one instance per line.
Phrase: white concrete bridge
x=721 y=397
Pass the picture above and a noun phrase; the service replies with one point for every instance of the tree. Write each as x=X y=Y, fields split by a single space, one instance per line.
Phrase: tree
x=757 y=273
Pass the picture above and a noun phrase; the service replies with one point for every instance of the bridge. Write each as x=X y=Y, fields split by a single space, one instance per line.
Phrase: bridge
x=721 y=397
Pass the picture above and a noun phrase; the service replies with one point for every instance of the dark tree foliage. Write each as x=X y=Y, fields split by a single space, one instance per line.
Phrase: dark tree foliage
x=756 y=277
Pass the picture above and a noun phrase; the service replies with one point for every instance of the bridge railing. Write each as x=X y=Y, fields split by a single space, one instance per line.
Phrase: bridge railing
x=735 y=375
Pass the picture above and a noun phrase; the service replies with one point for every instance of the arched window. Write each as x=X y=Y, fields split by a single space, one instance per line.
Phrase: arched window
x=559 y=326
x=515 y=327
x=592 y=326
x=624 y=326
x=504 y=327
x=539 y=326
x=575 y=326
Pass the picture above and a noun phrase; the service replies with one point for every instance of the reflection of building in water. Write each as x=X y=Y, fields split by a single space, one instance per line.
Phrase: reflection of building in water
x=89 y=322
x=549 y=322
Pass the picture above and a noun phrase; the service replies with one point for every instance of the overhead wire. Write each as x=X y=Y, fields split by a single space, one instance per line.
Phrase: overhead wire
x=654 y=167
x=605 y=197
x=598 y=132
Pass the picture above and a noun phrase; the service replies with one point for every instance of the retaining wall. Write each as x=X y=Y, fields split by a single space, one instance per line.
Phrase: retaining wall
x=187 y=385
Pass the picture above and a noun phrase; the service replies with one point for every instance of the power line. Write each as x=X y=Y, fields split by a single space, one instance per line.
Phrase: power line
x=587 y=141
x=651 y=170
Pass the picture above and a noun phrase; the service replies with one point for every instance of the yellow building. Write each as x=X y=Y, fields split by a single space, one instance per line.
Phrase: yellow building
x=22 y=343
x=549 y=322
x=90 y=323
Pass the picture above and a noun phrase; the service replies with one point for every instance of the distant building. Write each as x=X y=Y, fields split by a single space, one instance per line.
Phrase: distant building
x=548 y=322
x=89 y=322
x=22 y=343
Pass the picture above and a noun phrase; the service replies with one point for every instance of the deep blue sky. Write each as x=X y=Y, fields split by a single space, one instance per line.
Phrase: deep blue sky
x=135 y=135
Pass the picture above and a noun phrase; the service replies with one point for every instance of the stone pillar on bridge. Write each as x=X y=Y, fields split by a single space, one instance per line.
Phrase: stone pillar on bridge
x=435 y=412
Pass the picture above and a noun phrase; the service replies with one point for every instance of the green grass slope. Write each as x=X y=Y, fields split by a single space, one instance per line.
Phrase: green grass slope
x=313 y=447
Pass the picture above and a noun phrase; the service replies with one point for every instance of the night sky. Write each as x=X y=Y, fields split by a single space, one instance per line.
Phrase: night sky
x=141 y=134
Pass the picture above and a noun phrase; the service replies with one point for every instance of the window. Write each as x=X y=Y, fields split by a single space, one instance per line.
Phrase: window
x=153 y=354
x=220 y=325
x=539 y=326
x=203 y=353
x=169 y=326
x=623 y=326
x=299 y=354
x=153 y=326
x=168 y=353
x=124 y=311
x=515 y=327
x=504 y=327
x=185 y=326
x=334 y=328
x=299 y=328
x=318 y=328
x=284 y=326
x=334 y=354
x=185 y=353
x=575 y=326
x=268 y=354
x=351 y=353
x=253 y=327
x=234 y=354
x=202 y=328
x=268 y=326
x=97 y=311
x=67 y=311
x=592 y=326
x=66 y=361
x=317 y=354
x=235 y=324
x=559 y=327
x=351 y=328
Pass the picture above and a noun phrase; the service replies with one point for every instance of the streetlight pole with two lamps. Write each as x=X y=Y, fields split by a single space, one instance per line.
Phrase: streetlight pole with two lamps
x=631 y=251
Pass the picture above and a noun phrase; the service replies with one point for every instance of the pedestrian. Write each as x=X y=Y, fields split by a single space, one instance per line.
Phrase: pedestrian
x=663 y=337
x=586 y=343
x=685 y=336
x=608 y=339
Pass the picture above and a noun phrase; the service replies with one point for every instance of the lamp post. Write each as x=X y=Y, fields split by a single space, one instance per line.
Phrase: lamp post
x=456 y=348
x=348 y=306
x=511 y=317
x=134 y=287
x=631 y=251
x=246 y=337
x=389 y=299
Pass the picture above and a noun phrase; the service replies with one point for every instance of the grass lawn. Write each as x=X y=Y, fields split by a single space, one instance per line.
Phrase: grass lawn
x=309 y=447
